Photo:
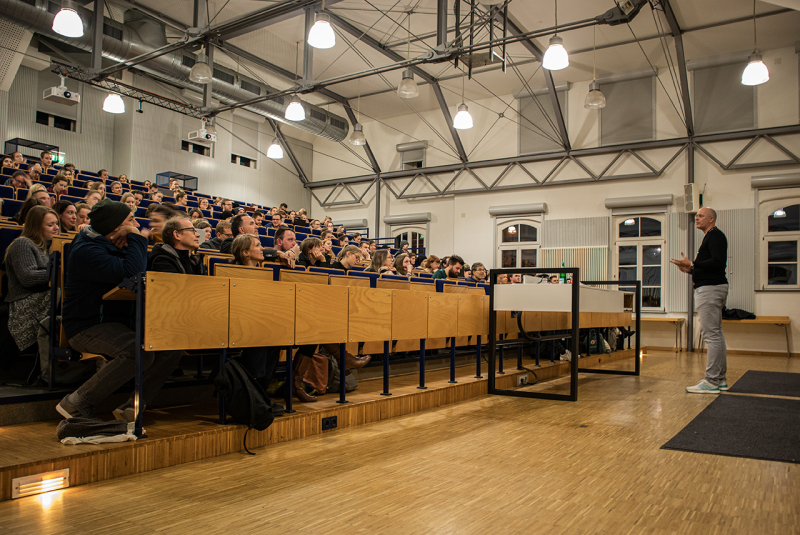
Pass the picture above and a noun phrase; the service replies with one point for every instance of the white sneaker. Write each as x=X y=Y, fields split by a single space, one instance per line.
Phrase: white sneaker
x=703 y=387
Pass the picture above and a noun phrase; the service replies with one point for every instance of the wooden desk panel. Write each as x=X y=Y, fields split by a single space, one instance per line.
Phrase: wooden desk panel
x=311 y=301
x=442 y=315
x=470 y=315
x=410 y=315
x=389 y=284
x=343 y=280
x=255 y=330
x=243 y=272
x=370 y=314
x=304 y=277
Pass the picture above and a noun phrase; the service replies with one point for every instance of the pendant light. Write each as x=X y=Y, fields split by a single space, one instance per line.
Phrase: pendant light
x=295 y=110
x=68 y=23
x=201 y=72
x=321 y=33
x=357 y=137
x=462 y=120
x=595 y=99
x=556 y=57
x=756 y=73
x=275 y=151
x=408 y=86
x=114 y=104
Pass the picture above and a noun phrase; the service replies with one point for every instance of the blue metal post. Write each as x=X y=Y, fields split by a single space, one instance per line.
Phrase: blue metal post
x=452 y=360
x=500 y=354
x=478 y=359
x=386 y=369
x=138 y=401
x=290 y=380
x=422 y=365
x=342 y=372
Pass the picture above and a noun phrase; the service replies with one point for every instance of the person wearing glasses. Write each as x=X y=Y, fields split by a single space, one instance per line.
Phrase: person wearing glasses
x=478 y=273
x=349 y=257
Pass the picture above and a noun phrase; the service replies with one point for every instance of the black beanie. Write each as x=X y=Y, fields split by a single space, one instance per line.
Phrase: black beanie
x=108 y=215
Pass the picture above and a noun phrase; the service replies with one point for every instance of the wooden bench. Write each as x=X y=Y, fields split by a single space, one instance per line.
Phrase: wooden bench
x=780 y=321
x=678 y=322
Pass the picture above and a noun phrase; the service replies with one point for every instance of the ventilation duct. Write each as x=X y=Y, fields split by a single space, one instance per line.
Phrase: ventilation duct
x=140 y=34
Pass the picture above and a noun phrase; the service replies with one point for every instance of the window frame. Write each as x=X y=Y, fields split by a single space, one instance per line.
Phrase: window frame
x=640 y=242
x=503 y=223
x=765 y=209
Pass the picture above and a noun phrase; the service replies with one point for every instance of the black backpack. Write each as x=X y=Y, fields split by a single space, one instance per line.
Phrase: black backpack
x=245 y=400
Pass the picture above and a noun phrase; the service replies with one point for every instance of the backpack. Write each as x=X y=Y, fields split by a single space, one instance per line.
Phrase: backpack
x=245 y=400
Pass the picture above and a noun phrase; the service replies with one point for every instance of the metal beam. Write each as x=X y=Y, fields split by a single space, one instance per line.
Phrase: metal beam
x=308 y=51
x=288 y=150
x=437 y=90
x=690 y=250
x=677 y=35
x=262 y=18
x=515 y=28
x=207 y=88
x=372 y=161
x=97 y=37
x=441 y=23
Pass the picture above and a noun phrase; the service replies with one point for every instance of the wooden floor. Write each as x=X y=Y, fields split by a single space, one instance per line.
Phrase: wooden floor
x=487 y=464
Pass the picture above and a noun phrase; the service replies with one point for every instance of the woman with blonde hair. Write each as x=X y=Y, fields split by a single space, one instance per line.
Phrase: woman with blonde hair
x=40 y=192
x=130 y=200
x=100 y=188
x=348 y=257
x=381 y=262
x=247 y=250
x=28 y=276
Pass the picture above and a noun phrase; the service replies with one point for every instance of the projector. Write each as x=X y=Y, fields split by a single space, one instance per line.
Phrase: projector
x=61 y=95
x=202 y=136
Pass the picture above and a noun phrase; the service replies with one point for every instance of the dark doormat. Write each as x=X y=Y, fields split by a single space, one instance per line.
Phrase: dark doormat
x=768 y=383
x=744 y=426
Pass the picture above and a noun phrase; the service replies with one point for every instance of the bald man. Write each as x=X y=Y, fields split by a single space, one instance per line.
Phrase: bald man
x=710 y=294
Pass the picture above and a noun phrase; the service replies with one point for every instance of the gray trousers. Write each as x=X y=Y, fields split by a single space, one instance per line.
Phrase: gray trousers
x=709 y=301
x=118 y=342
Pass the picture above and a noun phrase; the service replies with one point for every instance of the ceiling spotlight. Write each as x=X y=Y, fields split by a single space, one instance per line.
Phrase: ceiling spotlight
x=275 y=151
x=295 y=110
x=68 y=23
x=201 y=73
x=556 y=57
x=462 y=120
x=756 y=73
x=114 y=104
x=357 y=138
x=595 y=99
x=408 y=86
x=321 y=33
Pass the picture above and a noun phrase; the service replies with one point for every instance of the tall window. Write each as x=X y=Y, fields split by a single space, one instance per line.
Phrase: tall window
x=780 y=243
x=518 y=244
x=639 y=255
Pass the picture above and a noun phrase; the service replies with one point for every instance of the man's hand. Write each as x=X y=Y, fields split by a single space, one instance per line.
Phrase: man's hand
x=120 y=237
x=288 y=256
x=684 y=264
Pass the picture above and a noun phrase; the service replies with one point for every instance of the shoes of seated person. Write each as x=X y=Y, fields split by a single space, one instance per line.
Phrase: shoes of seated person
x=703 y=387
x=277 y=408
x=352 y=362
x=125 y=413
x=78 y=410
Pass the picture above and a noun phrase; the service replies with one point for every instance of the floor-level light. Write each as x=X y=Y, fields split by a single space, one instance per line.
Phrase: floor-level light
x=408 y=86
x=275 y=151
x=756 y=73
x=68 y=23
x=114 y=104
x=321 y=33
x=555 y=57
x=595 y=99
x=201 y=72
x=295 y=110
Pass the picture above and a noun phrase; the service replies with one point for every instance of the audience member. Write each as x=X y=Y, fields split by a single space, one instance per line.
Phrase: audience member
x=20 y=179
x=223 y=232
x=69 y=167
x=67 y=215
x=225 y=215
x=403 y=265
x=357 y=238
x=247 y=250
x=17 y=158
x=365 y=256
x=157 y=196
x=29 y=203
x=180 y=198
x=453 y=269
x=431 y=264
x=348 y=258
x=147 y=184
x=241 y=224
x=502 y=279
x=196 y=213
x=8 y=162
x=26 y=262
x=203 y=204
x=129 y=199
x=286 y=246
x=478 y=273
x=515 y=278
x=343 y=239
x=92 y=198
x=35 y=171
x=116 y=188
x=40 y=192
x=174 y=254
x=138 y=196
x=277 y=222
x=284 y=206
x=158 y=216
x=381 y=262
x=311 y=253
x=60 y=185
x=372 y=247
x=100 y=188
x=204 y=226
x=82 y=215
x=174 y=184
x=329 y=226
x=227 y=204
x=258 y=217
x=316 y=225
x=102 y=174
x=123 y=178
x=327 y=250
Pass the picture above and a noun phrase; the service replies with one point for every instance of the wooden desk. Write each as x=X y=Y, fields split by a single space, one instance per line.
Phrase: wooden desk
x=780 y=321
x=678 y=322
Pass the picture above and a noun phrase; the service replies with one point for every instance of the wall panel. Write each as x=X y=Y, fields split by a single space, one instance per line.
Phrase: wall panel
x=580 y=232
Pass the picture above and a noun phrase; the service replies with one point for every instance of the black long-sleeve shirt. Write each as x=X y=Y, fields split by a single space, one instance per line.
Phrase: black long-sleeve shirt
x=711 y=260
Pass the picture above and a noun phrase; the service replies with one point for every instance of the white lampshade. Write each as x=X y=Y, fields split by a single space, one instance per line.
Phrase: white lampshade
x=408 y=86
x=201 y=73
x=68 y=23
x=756 y=72
x=113 y=104
x=357 y=137
x=556 y=57
x=321 y=33
x=462 y=120
x=595 y=99
x=295 y=110
x=275 y=151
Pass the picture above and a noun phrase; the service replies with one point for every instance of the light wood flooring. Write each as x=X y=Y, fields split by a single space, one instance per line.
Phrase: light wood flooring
x=487 y=465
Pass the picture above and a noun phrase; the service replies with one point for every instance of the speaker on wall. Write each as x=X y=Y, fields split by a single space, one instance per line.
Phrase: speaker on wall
x=691 y=198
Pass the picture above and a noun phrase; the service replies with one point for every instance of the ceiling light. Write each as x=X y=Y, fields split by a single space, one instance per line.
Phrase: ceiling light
x=556 y=57
x=201 y=73
x=295 y=110
x=357 y=138
x=595 y=99
x=275 y=151
x=756 y=72
x=68 y=23
x=780 y=212
x=114 y=104
x=463 y=120
x=408 y=86
x=321 y=34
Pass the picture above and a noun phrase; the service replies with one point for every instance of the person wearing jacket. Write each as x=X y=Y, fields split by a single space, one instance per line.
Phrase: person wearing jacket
x=223 y=231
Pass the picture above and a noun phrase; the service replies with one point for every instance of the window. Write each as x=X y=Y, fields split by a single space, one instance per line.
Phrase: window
x=415 y=239
x=195 y=148
x=244 y=142
x=537 y=124
x=780 y=243
x=630 y=110
x=518 y=243
x=639 y=255
x=241 y=160
x=62 y=123
x=721 y=102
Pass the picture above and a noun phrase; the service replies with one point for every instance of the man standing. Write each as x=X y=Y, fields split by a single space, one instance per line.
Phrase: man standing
x=710 y=294
x=454 y=266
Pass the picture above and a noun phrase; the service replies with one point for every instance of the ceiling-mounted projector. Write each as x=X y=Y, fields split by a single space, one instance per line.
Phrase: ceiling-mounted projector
x=202 y=136
x=61 y=95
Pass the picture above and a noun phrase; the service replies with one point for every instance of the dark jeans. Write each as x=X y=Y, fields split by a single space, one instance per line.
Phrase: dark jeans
x=118 y=343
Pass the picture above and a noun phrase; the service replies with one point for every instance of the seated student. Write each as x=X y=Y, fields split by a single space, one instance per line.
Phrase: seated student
x=8 y=162
x=292 y=216
x=258 y=217
x=466 y=272
x=29 y=277
x=372 y=247
x=196 y=213
x=40 y=192
x=67 y=215
x=247 y=250
x=327 y=251
x=148 y=185
x=431 y=264
x=478 y=273
x=102 y=174
x=452 y=271
x=123 y=178
x=152 y=189
x=82 y=215
x=502 y=279
x=204 y=226
x=20 y=179
x=174 y=185
x=108 y=251
x=329 y=226
x=274 y=210
x=223 y=232
x=381 y=262
x=18 y=159
x=46 y=160
x=116 y=188
x=129 y=200
x=29 y=203
x=203 y=204
x=60 y=185
x=158 y=216
x=138 y=197
x=35 y=171
x=365 y=256
x=413 y=257
x=283 y=206
x=180 y=198
x=92 y=198
x=357 y=238
x=316 y=225
x=343 y=239
x=241 y=224
x=348 y=257
x=286 y=246
x=69 y=167
x=99 y=187
x=403 y=265
x=277 y=221
x=311 y=254
x=225 y=215
x=156 y=197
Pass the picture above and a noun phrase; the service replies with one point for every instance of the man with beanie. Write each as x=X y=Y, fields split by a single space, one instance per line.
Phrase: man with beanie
x=109 y=250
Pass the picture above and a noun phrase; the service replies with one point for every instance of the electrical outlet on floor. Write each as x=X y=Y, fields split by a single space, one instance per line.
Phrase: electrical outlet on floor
x=522 y=380
x=329 y=423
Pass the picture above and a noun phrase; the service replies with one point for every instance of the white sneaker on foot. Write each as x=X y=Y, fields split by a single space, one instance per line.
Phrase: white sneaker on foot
x=703 y=387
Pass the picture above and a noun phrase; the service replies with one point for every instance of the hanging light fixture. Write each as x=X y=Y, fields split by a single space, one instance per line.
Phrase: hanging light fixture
x=275 y=151
x=321 y=33
x=595 y=99
x=556 y=57
x=114 y=104
x=357 y=137
x=201 y=72
x=462 y=120
x=68 y=23
x=756 y=73
x=295 y=110
x=408 y=86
